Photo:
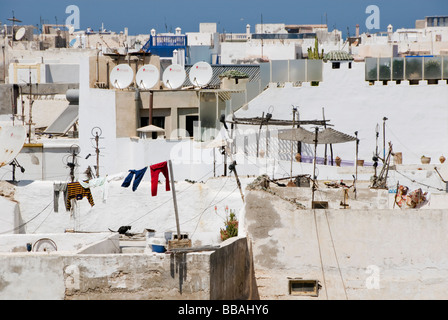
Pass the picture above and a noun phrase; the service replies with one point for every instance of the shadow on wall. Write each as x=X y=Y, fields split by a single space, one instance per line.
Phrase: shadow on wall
x=232 y=275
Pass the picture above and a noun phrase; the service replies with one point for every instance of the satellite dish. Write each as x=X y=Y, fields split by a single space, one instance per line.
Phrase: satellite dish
x=72 y=42
x=121 y=76
x=12 y=139
x=200 y=74
x=147 y=76
x=71 y=29
x=174 y=76
x=20 y=33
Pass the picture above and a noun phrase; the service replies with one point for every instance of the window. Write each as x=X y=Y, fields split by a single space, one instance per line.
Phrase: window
x=304 y=287
x=319 y=205
x=336 y=65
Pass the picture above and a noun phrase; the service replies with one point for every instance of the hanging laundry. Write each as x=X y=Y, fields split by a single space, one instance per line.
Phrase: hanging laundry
x=156 y=169
x=59 y=187
x=76 y=191
x=94 y=183
x=138 y=178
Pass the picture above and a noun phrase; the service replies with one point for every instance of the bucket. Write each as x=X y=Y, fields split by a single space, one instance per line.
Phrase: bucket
x=156 y=244
x=158 y=248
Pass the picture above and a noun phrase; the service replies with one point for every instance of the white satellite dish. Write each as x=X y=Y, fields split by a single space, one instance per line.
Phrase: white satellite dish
x=200 y=74
x=20 y=33
x=174 y=76
x=12 y=139
x=147 y=76
x=71 y=29
x=121 y=76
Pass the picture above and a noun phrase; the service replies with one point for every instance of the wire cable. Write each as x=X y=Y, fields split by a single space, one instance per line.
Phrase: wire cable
x=25 y=223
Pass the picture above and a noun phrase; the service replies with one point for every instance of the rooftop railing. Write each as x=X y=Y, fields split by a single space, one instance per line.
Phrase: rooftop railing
x=406 y=68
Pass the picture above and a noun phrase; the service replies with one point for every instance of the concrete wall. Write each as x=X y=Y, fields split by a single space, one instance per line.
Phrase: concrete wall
x=231 y=272
x=101 y=66
x=93 y=243
x=355 y=254
x=9 y=216
x=233 y=52
x=417 y=114
x=42 y=161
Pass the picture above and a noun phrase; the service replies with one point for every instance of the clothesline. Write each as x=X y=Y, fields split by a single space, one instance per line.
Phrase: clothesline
x=80 y=189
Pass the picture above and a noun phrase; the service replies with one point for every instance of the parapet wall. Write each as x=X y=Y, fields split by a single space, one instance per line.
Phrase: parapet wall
x=353 y=253
x=198 y=275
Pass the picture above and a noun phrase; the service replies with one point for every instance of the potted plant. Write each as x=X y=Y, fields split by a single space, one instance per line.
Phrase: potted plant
x=338 y=161
x=231 y=227
x=425 y=160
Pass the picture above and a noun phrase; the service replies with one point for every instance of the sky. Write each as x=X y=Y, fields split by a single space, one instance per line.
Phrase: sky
x=231 y=16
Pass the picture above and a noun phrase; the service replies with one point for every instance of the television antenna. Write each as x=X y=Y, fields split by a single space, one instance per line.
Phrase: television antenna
x=174 y=76
x=201 y=74
x=96 y=133
x=121 y=76
x=13 y=20
x=147 y=76
x=70 y=160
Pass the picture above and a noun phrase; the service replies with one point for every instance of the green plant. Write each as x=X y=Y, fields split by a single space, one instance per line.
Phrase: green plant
x=384 y=72
x=235 y=74
x=231 y=227
x=398 y=69
x=314 y=53
x=432 y=69
x=413 y=68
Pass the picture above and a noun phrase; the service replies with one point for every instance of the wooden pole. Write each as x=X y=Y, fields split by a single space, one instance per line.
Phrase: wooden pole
x=238 y=181
x=173 y=190
x=259 y=133
x=356 y=165
x=292 y=142
x=314 y=167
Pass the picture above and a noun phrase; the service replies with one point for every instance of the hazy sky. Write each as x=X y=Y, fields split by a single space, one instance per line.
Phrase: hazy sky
x=140 y=16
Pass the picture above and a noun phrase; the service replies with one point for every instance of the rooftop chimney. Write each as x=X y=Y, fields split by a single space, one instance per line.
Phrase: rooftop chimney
x=357 y=30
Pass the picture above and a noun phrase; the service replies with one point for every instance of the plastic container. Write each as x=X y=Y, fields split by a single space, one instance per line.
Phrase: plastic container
x=156 y=244
x=158 y=248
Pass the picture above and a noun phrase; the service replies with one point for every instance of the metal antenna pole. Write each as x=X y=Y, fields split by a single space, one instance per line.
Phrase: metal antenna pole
x=97 y=150
x=384 y=139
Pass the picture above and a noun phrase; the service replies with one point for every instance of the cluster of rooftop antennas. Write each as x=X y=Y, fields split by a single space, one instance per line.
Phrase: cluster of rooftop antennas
x=148 y=76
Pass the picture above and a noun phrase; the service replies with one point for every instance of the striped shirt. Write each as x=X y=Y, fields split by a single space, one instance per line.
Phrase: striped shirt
x=76 y=191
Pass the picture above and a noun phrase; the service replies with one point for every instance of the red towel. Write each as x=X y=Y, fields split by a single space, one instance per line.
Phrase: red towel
x=156 y=169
